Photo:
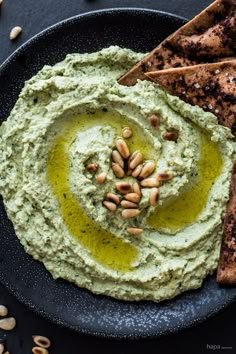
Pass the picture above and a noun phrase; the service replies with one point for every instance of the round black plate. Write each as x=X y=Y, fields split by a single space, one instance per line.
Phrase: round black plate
x=60 y=301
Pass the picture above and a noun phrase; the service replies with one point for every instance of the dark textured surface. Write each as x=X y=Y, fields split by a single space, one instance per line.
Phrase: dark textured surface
x=211 y=333
x=34 y=16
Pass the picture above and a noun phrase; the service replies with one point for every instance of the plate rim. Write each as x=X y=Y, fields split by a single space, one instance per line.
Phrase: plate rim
x=84 y=14
x=111 y=336
x=14 y=290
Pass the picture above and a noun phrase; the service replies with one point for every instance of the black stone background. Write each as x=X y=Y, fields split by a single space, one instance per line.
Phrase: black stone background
x=215 y=335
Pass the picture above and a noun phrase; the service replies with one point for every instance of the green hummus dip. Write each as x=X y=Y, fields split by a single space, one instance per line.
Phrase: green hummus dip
x=70 y=115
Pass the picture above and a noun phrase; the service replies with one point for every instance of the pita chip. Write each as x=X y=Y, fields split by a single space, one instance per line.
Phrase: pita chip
x=209 y=37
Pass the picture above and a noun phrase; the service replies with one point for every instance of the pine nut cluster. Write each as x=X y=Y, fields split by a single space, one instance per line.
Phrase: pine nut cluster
x=127 y=195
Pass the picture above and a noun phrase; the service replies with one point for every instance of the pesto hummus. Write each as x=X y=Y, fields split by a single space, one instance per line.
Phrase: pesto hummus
x=69 y=116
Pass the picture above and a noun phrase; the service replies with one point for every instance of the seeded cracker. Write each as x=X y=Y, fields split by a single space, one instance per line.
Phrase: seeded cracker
x=209 y=37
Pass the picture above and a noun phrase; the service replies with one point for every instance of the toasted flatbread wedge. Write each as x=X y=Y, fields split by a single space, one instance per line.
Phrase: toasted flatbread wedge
x=209 y=37
x=226 y=273
x=210 y=86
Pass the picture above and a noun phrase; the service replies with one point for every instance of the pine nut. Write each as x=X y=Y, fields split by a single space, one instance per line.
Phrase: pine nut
x=150 y=182
x=136 y=188
x=136 y=160
x=116 y=157
x=123 y=187
x=133 y=197
x=172 y=136
x=127 y=133
x=101 y=178
x=147 y=170
x=42 y=341
x=118 y=171
x=8 y=323
x=113 y=197
x=92 y=167
x=153 y=197
x=134 y=230
x=130 y=213
x=128 y=205
x=3 y=311
x=137 y=171
x=15 y=32
x=39 y=350
x=109 y=205
x=129 y=172
x=1 y=348
x=122 y=148
x=154 y=121
x=164 y=176
x=132 y=156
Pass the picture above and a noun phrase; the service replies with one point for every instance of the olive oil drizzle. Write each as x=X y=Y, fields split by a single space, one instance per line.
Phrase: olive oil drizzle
x=104 y=247
x=187 y=208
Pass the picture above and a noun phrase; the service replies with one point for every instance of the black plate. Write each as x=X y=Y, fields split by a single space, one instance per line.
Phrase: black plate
x=60 y=301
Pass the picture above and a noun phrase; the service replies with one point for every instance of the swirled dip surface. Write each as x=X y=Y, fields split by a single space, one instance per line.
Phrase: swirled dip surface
x=70 y=115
